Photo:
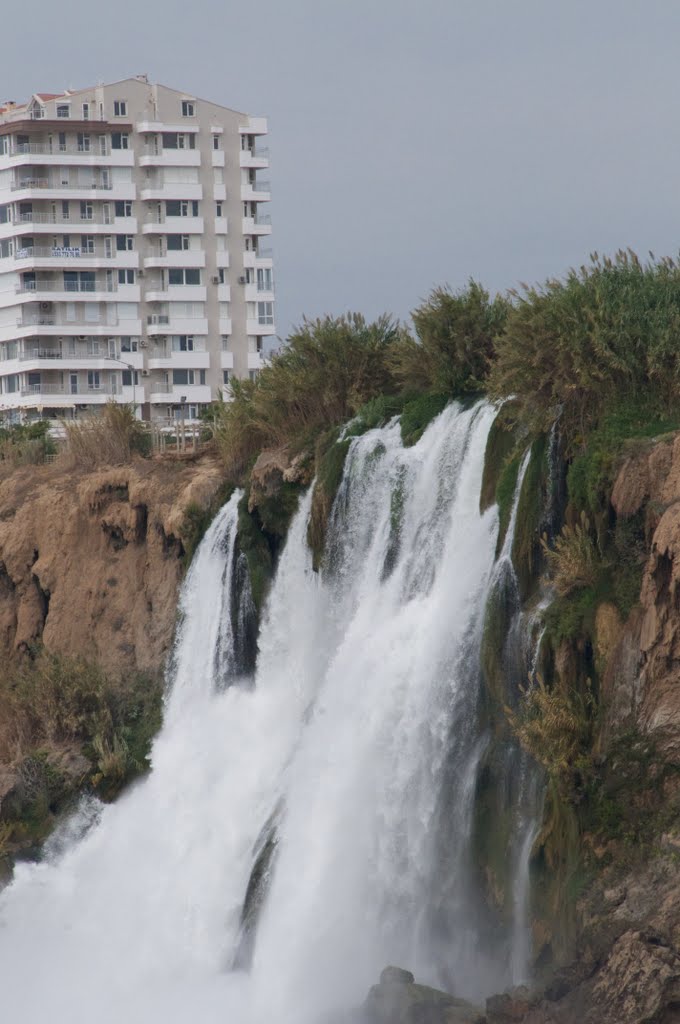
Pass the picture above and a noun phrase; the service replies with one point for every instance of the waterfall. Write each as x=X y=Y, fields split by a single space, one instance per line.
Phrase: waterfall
x=310 y=821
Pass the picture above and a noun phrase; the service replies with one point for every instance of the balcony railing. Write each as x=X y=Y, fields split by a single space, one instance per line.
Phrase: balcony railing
x=158 y=318
x=42 y=353
x=65 y=286
x=264 y=219
x=59 y=186
x=62 y=252
x=58 y=218
x=264 y=254
x=50 y=320
x=161 y=388
x=61 y=389
x=44 y=149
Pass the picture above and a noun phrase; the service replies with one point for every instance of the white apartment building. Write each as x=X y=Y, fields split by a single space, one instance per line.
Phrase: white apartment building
x=132 y=264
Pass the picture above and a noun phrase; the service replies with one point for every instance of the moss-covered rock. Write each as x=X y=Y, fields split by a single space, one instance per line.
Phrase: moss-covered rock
x=531 y=507
x=505 y=492
x=331 y=453
x=418 y=414
x=500 y=447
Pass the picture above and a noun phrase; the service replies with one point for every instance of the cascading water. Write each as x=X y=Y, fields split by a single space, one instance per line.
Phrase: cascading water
x=336 y=788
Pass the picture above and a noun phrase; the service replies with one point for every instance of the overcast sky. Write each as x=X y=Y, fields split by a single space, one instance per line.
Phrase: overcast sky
x=413 y=142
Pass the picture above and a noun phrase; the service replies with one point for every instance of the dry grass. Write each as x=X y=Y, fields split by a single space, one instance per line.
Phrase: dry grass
x=574 y=561
x=110 y=439
x=553 y=726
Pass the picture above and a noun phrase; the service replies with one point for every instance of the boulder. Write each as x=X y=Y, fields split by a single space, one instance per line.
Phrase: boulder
x=399 y=1000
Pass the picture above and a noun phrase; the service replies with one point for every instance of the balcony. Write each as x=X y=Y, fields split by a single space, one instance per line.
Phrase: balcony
x=256 y=327
x=174 y=258
x=177 y=293
x=163 y=324
x=39 y=184
x=154 y=190
x=174 y=226
x=59 y=252
x=256 y=192
x=226 y=360
x=255 y=361
x=170 y=157
x=254 y=126
x=67 y=288
x=253 y=293
x=163 y=393
x=257 y=159
x=100 y=222
x=257 y=225
x=163 y=358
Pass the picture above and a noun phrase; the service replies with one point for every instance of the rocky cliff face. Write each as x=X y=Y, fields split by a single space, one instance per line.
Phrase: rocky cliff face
x=90 y=562
x=643 y=668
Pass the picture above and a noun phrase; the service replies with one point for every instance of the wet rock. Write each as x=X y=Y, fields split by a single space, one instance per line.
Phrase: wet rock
x=399 y=1000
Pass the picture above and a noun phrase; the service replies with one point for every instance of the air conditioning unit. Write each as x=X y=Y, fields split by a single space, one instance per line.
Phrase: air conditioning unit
x=243 y=280
x=140 y=273
x=146 y=373
x=215 y=279
x=143 y=343
x=81 y=337
x=45 y=306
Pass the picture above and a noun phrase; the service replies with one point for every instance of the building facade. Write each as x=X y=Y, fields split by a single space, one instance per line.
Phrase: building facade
x=133 y=264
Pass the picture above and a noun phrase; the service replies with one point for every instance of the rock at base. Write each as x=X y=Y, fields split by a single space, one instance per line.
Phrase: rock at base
x=399 y=1000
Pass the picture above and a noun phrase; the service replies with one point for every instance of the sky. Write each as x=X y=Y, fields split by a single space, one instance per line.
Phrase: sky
x=414 y=143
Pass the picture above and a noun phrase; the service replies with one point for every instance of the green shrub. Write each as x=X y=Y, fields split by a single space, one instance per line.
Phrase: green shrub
x=575 y=347
x=418 y=414
x=456 y=337
x=328 y=369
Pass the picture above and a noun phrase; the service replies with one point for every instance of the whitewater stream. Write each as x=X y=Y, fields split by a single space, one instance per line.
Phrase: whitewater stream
x=343 y=769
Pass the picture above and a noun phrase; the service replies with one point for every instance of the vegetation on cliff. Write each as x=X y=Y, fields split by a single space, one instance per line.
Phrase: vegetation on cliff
x=66 y=725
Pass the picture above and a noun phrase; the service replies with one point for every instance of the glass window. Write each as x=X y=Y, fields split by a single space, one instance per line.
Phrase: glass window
x=124 y=243
x=216 y=141
x=120 y=108
x=63 y=110
x=188 y=108
x=192 y=276
x=265 y=312
x=126 y=276
x=177 y=242
x=123 y=208
x=120 y=140
x=86 y=111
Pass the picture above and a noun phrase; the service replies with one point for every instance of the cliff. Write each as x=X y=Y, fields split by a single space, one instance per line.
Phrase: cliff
x=90 y=562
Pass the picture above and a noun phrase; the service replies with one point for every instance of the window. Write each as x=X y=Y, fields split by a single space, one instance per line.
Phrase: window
x=188 y=108
x=220 y=275
x=93 y=382
x=86 y=111
x=63 y=110
x=125 y=243
x=86 y=211
x=120 y=140
x=123 y=208
x=216 y=141
x=87 y=243
x=65 y=209
x=127 y=378
x=170 y=140
x=120 y=108
x=181 y=208
x=126 y=276
x=225 y=376
x=265 y=312
x=179 y=275
x=183 y=343
x=182 y=377
x=218 y=208
x=84 y=143
x=177 y=242
x=264 y=280
x=129 y=344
